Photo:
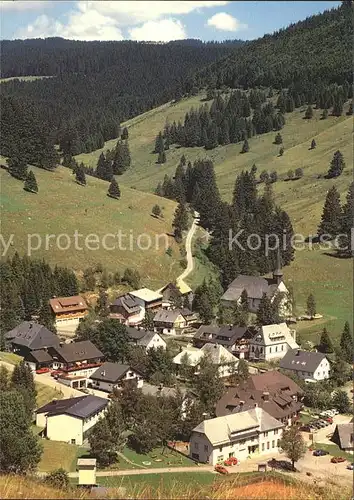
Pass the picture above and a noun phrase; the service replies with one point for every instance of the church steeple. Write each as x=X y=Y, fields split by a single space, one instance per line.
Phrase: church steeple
x=278 y=273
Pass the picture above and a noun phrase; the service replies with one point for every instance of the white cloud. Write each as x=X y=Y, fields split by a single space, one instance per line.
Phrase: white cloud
x=24 y=5
x=159 y=31
x=92 y=20
x=225 y=22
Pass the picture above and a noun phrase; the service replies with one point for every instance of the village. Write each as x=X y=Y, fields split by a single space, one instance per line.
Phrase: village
x=259 y=369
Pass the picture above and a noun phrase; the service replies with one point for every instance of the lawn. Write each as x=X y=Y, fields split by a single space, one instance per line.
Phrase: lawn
x=62 y=207
x=157 y=458
x=333 y=450
x=45 y=394
x=305 y=418
x=59 y=454
x=10 y=357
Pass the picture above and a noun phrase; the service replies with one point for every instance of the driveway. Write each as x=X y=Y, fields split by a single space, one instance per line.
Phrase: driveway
x=189 y=256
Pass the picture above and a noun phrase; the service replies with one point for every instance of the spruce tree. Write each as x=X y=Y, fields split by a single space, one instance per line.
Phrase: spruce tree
x=313 y=144
x=350 y=110
x=17 y=168
x=113 y=190
x=159 y=144
x=311 y=306
x=125 y=134
x=347 y=218
x=161 y=157
x=31 y=183
x=347 y=345
x=245 y=147
x=331 y=215
x=325 y=344
x=309 y=112
x=281 y=151
x=337 y=107
x=337 y=165
x=156 y=211
x=80 y=175
x=266 y=314
x=324 y=114
x=180 y=221
x=278 y=139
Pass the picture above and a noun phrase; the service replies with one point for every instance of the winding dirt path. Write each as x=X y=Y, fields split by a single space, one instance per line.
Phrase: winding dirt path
x=189 y=256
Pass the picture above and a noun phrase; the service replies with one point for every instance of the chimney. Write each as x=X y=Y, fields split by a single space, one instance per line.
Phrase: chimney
x=265 y=396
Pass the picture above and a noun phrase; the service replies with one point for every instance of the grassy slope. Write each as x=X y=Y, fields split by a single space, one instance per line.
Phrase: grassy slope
x=312 y=271
x=60 y=206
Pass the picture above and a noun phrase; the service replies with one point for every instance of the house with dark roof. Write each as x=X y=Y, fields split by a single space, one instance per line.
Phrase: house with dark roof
x=276 y=393
x=169 y=321
x=309 y=366
x=68 y=311
x=343 y=436
x=145 y=338
x=234 y=338
x=174 y=294
x=249 y=432
x=127 y=310
x=30 y=336
x=256 y=287
x=110 y=376
x=76 y=361
x=69 y=420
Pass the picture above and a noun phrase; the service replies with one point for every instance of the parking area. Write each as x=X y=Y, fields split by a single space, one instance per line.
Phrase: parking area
x=324 y=434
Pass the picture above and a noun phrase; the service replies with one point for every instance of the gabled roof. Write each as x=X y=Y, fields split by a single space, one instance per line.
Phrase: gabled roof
x=81 y=407
x=128 y=302
x=111 y=372
x=255 y=287
x=273 y=381
x=32 y=335
x=345 y=434
x=218 y=354
x=225 y=335
x=78 y=351
x=154 y=390
x=167 y=316
x=41 y=356
x=224 y=429
x=271 y=334
x=298 y=360
x=146 y=295
x=68 y=304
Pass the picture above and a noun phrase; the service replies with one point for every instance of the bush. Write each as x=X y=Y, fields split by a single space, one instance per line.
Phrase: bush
x=169 y=251
x=58 y=478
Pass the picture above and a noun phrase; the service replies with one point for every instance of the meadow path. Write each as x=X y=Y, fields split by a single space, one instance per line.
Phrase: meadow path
x=189 y=256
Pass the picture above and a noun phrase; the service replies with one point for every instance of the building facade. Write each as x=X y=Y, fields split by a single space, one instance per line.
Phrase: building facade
x=272 y=342
x=307 y=365
x=68 y=311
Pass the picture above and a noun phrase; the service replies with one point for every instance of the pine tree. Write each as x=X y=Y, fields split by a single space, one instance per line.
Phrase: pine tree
x=266 y=314
x=31 y=183
x=313 y=144
x=17 y=168
x=337 y=107
x=350 y=110
x=309 y=112
x=325 y=344
x=80 y=175
x=161 y=158
x=22 y=380
x=347 y=344
x=324 y=114
x=104 y=168
x=273 y=177
x=331 y=215
x=46 y=317
x=299 y=173
x=311 y=306
x=125 y=134
x=113 y=190
x=159 y=144
x=337 y=165
x=278 y=139
x=245 y=147
x=180 y=221
x=156 y=211
x=347 y=219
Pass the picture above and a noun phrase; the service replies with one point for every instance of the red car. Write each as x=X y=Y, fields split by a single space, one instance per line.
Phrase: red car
x=220 y=469
x=55 y=373
x=337 y=460
x=230 y=461
x=329 y=420
x=42 y=370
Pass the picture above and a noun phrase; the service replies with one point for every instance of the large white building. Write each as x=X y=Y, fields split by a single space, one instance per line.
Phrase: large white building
x=218 y=355
x=238 y=435
x=272 y=342
x=309 y=366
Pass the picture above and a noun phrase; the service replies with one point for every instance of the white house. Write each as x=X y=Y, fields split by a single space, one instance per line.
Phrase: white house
x=111 y=376
x=191 y=356
x=256 y=287
x=240 y=435
x=145 y=338
x=169 y=321
x=272 y=342
x=69 y=420
x=309 y=366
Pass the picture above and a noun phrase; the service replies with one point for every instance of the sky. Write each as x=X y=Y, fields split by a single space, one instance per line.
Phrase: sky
x=159 y=21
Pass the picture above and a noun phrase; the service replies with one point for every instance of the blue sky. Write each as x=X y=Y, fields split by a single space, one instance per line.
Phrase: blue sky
x=157 y=21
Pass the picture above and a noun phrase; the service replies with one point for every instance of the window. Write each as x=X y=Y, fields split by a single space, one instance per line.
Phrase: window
x=266 y=434
x=268 y=445
x=278 y=443
x=276 y=348
x=220 y=458
x=270 y=350
x=206 y=449
x=273 y=444
x=196 y=446
x=263 y=446
x=73 y=441
x=220 y=449
x=276 y=431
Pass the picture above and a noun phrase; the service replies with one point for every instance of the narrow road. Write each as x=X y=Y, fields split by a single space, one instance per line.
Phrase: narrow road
x=189 y=256
x=155 y=470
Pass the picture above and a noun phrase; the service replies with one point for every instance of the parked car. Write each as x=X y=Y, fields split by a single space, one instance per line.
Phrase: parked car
x=42 y=370
x=337 y=460
x=330 y=420
x=350 y=466
x=334 y=411
x=220 y=469
x=55 y=373
x=322 y=423
x=319 y=453
x=231 y=461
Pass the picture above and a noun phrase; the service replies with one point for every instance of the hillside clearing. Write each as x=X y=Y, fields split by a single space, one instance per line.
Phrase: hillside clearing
x=62 y=207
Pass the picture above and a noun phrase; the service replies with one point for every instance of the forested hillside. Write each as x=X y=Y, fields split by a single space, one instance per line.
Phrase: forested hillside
x=310 y=53
x=97 y=85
